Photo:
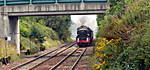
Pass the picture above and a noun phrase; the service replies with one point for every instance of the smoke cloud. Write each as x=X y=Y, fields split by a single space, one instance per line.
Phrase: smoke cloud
x=87 y=20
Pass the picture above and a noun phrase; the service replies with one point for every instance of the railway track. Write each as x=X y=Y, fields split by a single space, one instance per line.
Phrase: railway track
x=54 y=64
x=74 y=65
x=41 y=59
x=66 y=57
x=85 y=62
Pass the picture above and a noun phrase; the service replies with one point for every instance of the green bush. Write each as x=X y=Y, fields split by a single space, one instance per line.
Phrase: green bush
x=34 y=49
x=25 y=43
x=128 y=20
x=115 y=31
x=136 y=55
x=35 y=35
x=25 y=29
x=56 y=26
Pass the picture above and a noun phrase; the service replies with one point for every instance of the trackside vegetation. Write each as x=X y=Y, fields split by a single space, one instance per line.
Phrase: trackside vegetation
x=37 y=33
x=43 y=32
x=123 y=38
x=7 y=50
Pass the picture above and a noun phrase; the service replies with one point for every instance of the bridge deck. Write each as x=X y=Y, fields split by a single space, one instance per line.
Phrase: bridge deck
x=24 y=2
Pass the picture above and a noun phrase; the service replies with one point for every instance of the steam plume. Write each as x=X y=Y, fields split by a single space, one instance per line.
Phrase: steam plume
x=87 y=20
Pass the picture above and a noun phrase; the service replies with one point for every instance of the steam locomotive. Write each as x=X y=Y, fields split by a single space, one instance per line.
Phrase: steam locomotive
x=84 y=36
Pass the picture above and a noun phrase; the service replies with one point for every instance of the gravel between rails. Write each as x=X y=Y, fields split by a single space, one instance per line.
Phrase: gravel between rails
x=84 y=63
x=51 y=62
x=69 y=62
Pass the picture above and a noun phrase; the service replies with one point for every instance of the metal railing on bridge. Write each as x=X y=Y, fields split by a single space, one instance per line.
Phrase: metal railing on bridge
x=24 y=2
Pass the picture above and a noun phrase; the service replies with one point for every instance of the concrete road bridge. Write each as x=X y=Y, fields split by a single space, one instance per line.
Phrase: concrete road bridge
x=10 y=10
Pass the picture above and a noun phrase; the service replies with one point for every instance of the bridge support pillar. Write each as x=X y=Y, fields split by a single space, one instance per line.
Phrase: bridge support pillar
x=1 y=26
x=15 y=32
x=9 y=27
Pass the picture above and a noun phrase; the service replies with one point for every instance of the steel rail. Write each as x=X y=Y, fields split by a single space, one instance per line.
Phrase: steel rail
x=24 y=64
x=51 y=57
x=60 y=62
x=72 y=68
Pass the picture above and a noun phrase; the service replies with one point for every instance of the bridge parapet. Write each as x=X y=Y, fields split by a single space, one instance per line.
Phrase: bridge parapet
x=24 y=2
x=62 y=8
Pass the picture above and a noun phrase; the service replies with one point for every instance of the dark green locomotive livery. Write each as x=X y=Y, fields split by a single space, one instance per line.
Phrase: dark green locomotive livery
x=84 y=36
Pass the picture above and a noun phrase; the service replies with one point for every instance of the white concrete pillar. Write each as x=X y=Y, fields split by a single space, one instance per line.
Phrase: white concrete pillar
x=6 y=24
x=1 y=26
